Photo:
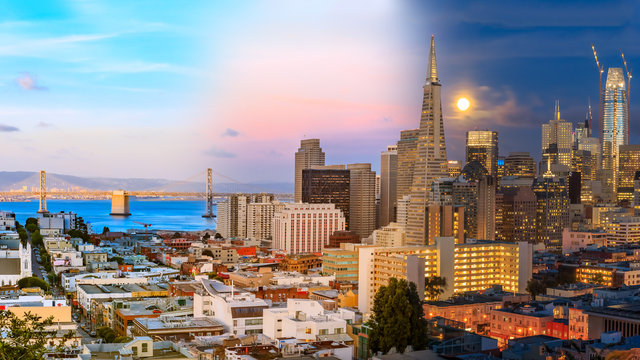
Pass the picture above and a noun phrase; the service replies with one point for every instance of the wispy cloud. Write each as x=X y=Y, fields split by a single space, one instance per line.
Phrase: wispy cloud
x=43 y=124
x=219 y=153
x=40 y=47
x=230 y=132
x=29 y=82
x=8 y=128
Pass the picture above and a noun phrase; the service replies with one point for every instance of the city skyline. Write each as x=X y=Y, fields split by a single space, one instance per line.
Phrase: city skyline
x=81 y=91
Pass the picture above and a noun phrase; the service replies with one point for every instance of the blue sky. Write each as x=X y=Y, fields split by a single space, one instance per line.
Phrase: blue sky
x=166 y=89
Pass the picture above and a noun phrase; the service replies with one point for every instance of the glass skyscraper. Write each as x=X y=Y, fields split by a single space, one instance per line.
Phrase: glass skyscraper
x=614 y=126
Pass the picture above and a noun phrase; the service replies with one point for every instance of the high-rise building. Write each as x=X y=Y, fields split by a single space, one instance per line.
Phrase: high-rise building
x=520 y=164
x=431 y=162
x=407 y=155
x=518 y=212
x=444 y=220
x=485 y=218
x=362 y=205
x=592 y=145
x=482 y=146
x=559 y=132
x=465 y=193
x=232 y=213
x=629 y=164
x=309 y=154
x=392 y=235
x=454 y=167
x=328 y=185
x=402 y=211
x=614 y=127
x=260 y=219
x=552 y=210
x=304 y=228
x=388 y=185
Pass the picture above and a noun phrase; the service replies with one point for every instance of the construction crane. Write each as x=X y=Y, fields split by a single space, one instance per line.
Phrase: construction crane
x=600 y=92
x=146 y=226
x=629 y=76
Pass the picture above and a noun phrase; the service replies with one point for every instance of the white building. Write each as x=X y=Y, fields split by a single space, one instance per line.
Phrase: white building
x=304 y=228
x=240 y=313
x=392 y=235
x=62 y=221
x=573 y=241
x=15 y=260
x=68 y=280
x=622 y=230
x=304 y=319
x=7 y=221
x=297 y=279
x=260 y=219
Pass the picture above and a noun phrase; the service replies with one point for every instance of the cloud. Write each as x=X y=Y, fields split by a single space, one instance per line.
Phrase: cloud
x=230 y=132
x=29 y=82
x=8 y=128
x=219 y=153
x=43 y=124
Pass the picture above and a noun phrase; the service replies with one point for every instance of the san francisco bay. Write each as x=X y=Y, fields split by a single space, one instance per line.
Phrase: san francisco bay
x=162 y=214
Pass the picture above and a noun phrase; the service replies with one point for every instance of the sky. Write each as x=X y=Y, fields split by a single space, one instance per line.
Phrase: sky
x=164 y=89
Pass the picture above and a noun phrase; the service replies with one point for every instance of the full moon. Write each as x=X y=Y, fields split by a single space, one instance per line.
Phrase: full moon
x=463 y=104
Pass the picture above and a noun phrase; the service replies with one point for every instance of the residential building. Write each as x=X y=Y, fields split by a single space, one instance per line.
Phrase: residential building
x=15 y=260
x=176 y=328
x=342 y=262
x=304 y=228
x=407 y=155
x=260 y=219
x=392 y=235
x=574 y=241
x=521 y=321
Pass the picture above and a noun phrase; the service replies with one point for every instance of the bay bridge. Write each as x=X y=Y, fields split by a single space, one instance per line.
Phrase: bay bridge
x=166 y=190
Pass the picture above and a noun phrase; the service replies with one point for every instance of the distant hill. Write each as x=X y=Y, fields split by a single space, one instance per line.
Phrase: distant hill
x=13 y=180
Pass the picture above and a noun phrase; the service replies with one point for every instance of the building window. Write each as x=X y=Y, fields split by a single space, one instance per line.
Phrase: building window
x=145 y=347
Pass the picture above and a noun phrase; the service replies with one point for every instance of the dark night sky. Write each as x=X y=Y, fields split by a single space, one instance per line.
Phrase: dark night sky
x=517 y=58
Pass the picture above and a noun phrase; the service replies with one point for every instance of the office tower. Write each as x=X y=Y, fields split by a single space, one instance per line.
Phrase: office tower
x=328 y=185
x=444 y=220
x=309 y=154
x=482 y=146
x=472 y=266
x=636 y=194
x=520 y=164
x=431 y=162
x=441 y=192
x=500 y=168
x=407 y=155
x=388 y=185
x=581 y=162
x=342 y=237
x=454 y=167
x=260 y=219
x=575 y=187
x=294 y=236
x=559 y=132
x=362 y=208
x=402 y=211
x=518 y=212
x=552 y=210
x=592 y=145
x=629 y=164
x=614 y=128
x=465 y=193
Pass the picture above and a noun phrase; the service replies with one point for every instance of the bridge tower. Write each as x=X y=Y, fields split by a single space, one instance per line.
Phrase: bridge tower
x=43 y=193
x=209 y=213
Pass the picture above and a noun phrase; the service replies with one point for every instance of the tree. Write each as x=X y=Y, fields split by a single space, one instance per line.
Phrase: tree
x=31 y=220
x=36 y=238
x=33 y=282
x=118 y=259
x=31 y=227
x=535 y=287
x=217 y=236
x=26 y=337
x=434 y=286
x=206 y=237
x=110 y=336
x=398 y=318
x=75 y=233
x=176 y=235
x=105 y=230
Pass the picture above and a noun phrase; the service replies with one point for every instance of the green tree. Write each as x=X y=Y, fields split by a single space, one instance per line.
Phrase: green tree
x=434 y=286
x=535 y=287
x=33 y=282
x=23 y=235
x=217 y=236
x=110 y=336
x=26 y=337
x=118 y=259
x=206 y=236
x=398 y=318
x=75 y=233
x=36 y=238
x=31 y=220
x=31 y=227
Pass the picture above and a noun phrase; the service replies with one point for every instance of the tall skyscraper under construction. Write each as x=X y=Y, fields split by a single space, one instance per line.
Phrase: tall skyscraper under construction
x=431 y=161
x=614 y=127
